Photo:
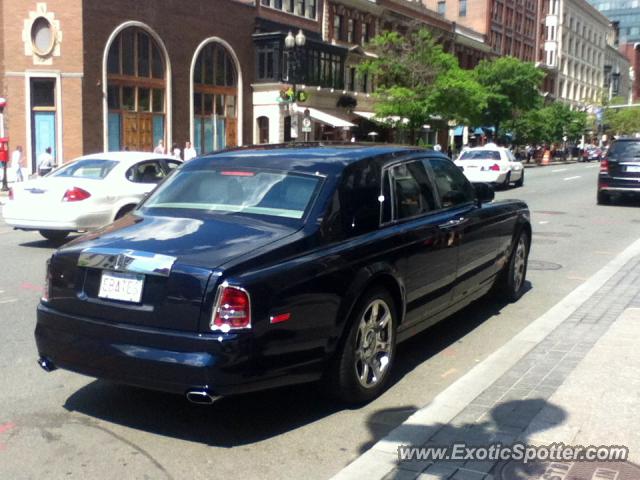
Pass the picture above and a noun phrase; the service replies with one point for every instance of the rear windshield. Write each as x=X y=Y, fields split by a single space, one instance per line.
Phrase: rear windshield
x=231 y=190
x=627 y=149
x=480 y=155
x=86 y=169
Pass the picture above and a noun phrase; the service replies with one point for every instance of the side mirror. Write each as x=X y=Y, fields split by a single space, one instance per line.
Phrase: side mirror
x=484 y=192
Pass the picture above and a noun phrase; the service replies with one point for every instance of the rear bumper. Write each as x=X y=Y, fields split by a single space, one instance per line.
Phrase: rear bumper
x=36 y=219
x=485 y=177
x=618 y=184
x=150 y=358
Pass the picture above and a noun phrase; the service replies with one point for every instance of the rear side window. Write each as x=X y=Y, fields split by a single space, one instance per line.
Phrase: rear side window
x=412 y=190
x=480 y=155
x=146 y=172
x=453 y=187
x=625 y=149
x=95 y=169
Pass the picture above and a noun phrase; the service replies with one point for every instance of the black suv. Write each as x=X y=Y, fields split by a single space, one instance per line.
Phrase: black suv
x=620 y=170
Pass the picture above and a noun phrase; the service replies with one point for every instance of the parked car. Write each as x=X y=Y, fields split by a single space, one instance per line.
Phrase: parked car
x=85 y=194
x=591 y=153
x=491 y=164
x=620 y=170
x=256 y=268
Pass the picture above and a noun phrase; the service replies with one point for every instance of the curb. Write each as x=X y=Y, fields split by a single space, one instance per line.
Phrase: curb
x=382 y=457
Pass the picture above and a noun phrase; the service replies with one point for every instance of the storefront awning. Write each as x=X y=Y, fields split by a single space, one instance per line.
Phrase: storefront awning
x=367 y=115
x=326 y=118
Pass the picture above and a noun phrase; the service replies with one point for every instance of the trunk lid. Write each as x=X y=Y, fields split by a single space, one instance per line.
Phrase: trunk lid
x=174 y=259
x=624 y=159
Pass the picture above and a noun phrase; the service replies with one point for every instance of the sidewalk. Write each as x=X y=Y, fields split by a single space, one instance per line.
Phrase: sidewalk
x=571 y=376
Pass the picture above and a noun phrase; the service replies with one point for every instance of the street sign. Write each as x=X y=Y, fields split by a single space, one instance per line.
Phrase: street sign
x=306 y=125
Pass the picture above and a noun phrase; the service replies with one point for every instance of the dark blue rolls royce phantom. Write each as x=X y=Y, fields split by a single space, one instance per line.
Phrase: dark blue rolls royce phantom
x=260 y=267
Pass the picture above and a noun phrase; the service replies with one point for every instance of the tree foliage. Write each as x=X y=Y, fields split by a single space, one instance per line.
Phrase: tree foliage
x=512 y=88
x=622 y=121
x=548 y=124
x=417 y=81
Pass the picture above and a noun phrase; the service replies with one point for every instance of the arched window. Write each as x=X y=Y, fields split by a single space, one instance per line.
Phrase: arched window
x=136 y=87
x=263 y=129
x=215 y=99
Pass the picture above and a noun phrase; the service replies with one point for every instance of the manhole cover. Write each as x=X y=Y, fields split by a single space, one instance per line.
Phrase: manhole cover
x=549 y=212
x=552 y=234
x=580 y=470
x=542 y=265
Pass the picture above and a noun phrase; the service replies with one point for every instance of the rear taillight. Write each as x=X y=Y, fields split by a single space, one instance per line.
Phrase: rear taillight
x=46 y=290
x=604 y=165
x=495 y=167
x=11 y=194
x=75 y=194
x=232 y=309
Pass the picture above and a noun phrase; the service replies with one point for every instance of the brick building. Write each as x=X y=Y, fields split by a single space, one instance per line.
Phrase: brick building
x=83 y=76
x=510 y=26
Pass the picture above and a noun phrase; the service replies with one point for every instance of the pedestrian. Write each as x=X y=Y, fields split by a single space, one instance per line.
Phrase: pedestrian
x=175 y=151
x=450 y=152
x=160 y=147
x=16 y=163
x=189 y=152
x=46 y=163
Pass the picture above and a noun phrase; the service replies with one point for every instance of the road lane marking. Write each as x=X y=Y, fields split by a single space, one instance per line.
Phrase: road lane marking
x=559 y=170
x=9 y=300
x=572 y=178
x=592 y=166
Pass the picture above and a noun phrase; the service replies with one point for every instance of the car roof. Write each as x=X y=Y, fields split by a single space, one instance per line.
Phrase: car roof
x=305 y=157
x=127 y=157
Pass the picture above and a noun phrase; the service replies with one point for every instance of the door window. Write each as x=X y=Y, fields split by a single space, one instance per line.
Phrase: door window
x=453 y=187
x=146 y=172
x=412 y=190
x=171 y=165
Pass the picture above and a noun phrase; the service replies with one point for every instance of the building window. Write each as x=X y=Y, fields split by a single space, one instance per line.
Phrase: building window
x=337 y=26
x=42 y=38
x=302 y=8
x=351 y=25
x=325 y=69
x=135 y=91
x=263 y=130
x=364 y=34
x=215 y=95
x=462 y=11
x=266 y=63
x=442 y=7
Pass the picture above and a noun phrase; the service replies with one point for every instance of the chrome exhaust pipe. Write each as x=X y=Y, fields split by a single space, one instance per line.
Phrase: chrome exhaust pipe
x=201 y=397
x=46 y=364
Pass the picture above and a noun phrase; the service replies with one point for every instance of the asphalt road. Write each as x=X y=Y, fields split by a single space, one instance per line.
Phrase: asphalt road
x=63 y=425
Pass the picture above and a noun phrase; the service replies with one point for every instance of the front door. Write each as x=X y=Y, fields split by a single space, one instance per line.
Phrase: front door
x=232 y=132
x=43 y=118
x=138 y=131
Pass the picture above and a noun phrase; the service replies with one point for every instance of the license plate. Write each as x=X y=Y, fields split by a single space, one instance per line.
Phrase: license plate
x=126 y=287
x=632 y=169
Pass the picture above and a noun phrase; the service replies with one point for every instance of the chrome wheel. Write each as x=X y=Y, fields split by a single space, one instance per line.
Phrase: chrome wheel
x=519 y=263
x=374 y=344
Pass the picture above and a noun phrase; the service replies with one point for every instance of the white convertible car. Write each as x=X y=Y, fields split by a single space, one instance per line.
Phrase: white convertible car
x=85 y=194
x=491 y=164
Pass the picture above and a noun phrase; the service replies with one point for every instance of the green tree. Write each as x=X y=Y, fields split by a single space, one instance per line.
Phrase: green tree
x=548 y=124
x=512 y=88
x=418 y=82
x=622 y=121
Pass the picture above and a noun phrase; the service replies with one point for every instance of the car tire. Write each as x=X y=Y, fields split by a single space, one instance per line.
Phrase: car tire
x=604 y=198
x=361 y=367
x=520 y=181
x=507 y=182
x=54 y=235
x=510 y=283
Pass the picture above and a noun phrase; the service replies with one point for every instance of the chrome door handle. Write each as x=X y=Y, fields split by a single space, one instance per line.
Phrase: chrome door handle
x=453 y=223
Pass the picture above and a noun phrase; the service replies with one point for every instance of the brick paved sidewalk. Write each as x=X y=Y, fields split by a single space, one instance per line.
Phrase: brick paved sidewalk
x=571 y=377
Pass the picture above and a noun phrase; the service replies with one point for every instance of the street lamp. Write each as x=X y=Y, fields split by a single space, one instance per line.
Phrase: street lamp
x=294 y=47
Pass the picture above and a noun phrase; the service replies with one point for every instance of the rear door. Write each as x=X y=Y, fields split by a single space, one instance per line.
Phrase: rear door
x=475 y=230
x=429 y=263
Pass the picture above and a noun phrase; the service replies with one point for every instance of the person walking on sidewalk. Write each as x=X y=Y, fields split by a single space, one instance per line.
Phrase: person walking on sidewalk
x=160 y=148
x=189 y=152
x=46 y=163
x=16 y=163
